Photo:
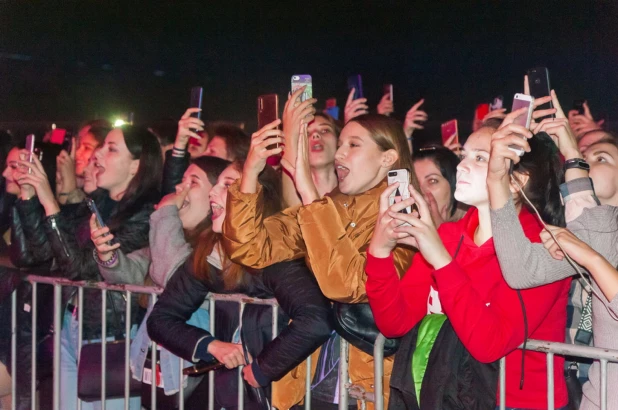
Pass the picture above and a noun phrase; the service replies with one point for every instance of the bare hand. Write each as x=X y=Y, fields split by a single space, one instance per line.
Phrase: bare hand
x=38 y=180
x=500 y=113
x=101 y=237
x=66 y=180
x=354 y=108
x=439 y=216
x=295 y=113
x=579 y=251
x=414 y=119
x=261 y=140
x=386 y=107
x=247 y=373
x=175 y=198
x=185 y=125
x=230 y=354
x=501 y=155
x=300 y=172
x=582 y=123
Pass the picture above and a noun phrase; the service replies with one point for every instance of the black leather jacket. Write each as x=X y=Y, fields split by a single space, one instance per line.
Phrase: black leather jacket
x=173 y=170
x=296 y=291
x=29 y=245
x=69 y=239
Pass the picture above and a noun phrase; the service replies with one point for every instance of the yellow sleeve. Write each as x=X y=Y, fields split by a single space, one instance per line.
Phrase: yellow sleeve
x=253 y=241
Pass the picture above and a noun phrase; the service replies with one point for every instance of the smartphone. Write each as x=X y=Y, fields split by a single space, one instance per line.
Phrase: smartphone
x=481 y=111
x=578 y=105
x=268 y=111
x=67 y=144
x=388 y=89
x=449 y=129
x=538 y=81
x=330 y=103
x=196 y=102
x=203 y=368
x=402 y=193
x=302 y=80
x=356 y=82
x=521 y=101
x=93 y=208
x=496 y=103
x=30 y=139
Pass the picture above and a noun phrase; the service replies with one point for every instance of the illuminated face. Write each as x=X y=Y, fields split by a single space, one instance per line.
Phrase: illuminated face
x=218 y=148
x=90 y=174
x=472 y=170
x=196 y=147
x=87 y=145
x=10 y=172
x=116 y=167
x=322 y=143
x=359 y=162
x=218 y=196
x=432 y=180
x=591 y=138
x=196 y=205
x=603 y=160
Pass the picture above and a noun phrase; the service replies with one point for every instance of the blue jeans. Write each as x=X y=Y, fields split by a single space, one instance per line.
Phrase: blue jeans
x=68 y=371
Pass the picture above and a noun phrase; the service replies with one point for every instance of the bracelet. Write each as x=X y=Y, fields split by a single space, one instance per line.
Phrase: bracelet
x=106 y=263
x=179 y=150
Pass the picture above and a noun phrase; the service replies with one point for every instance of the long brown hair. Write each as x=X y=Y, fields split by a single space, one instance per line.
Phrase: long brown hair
x=233 y=274
x=388 y=134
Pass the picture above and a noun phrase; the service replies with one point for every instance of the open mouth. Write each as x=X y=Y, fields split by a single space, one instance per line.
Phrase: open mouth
x=217 y=210
x=317 y=147
x=342 y=172
x=185 y=204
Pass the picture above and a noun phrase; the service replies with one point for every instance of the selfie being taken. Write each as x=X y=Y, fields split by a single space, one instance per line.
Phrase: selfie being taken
x=400 y=205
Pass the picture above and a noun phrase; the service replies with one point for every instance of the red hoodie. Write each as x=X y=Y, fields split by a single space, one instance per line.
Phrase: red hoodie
x=484 y=311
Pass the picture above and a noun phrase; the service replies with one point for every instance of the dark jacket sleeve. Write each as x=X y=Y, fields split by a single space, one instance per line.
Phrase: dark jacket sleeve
x=29 y=244
x=173 y=170
x=74 y=254
x=167 y=324
x=299 y=296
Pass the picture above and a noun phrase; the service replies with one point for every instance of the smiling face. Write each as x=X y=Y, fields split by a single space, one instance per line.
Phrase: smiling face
x=218 y=196
x=603 y=160
x=10 y=172
x=115 y=164
x=87 y=144
x=196 y=205
x=472 y=170
x=359 y=162
x=322 y=143
x=431 y=180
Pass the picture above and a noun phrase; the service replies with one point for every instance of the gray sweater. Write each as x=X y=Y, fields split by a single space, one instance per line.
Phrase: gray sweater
x=167 y=251
x=525 y=265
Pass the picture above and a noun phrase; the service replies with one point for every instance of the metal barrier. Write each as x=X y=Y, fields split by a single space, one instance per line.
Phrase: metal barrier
x=128 y=290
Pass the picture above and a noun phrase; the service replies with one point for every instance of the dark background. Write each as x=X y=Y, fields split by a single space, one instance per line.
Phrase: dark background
x=71 y=62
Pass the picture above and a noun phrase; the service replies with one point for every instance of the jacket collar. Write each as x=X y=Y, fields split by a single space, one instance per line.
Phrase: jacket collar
x=364 y=200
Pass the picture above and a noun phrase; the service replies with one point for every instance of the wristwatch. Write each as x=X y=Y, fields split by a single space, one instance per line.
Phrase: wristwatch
x=576 y=163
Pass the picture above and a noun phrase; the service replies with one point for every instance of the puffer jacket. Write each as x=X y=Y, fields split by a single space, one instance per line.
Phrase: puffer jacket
x=69 y=238
x=300 y=298
x=332 y=234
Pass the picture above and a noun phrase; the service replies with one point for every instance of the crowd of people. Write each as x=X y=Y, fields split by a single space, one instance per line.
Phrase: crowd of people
x=499 y=248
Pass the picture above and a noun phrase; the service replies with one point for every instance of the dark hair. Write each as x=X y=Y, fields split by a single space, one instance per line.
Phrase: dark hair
x=99 y=133
x=544 y=169
x=611 y=140
x=234 y=274
x=145 y=186
x=165 y=130
x=446 y=161
x=237 y=142
x=388 y=134
x=99 y=122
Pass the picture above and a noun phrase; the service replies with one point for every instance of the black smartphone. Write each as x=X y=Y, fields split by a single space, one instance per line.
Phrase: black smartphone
x=196 y=102
x=538 y=81
x=202 y=368
x=356 y=82
x=93 y=208
x=578 y=105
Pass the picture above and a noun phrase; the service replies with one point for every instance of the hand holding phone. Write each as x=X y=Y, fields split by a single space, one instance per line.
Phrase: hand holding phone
x=100 y=224
x=522 y=101
x=196 y=102
x=303 y=80
x=30 y=148
x=356 y=82
x=450 y=133
x=538 y=87
x=401 y=176
x=386 y=107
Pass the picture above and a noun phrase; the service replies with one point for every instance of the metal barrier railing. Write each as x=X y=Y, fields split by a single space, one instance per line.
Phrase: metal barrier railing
x=129 y=291
x=346 y=390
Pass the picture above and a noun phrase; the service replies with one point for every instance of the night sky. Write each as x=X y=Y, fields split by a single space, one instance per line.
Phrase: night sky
x=75 y=62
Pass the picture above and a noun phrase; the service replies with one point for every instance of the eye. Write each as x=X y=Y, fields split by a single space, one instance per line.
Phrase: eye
x=461 y=156
x=480 y=158
x=324 y=131
x=354 y=145
x=433 y=181
x=601 y=159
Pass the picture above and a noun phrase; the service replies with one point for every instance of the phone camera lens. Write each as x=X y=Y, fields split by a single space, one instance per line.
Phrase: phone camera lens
x=392 y=174
x=537 y=81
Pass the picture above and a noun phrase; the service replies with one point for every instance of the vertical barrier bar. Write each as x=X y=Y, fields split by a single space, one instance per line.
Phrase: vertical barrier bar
x=34 y=313
x=502 y=383
x=80 y=331
x=127 y=345
x=378 y=371
x=211 y=374
x=603 y=384
x=275 y=323
x=550 y=381
x=57 y=328
x=308 y=385
x=343 y=375
x=181 y=391
x=103 y=345
x=241 y=396
x=14 y=350
x=153 y=367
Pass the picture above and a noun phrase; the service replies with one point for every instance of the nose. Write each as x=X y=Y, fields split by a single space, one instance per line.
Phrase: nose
x=463 y=166
x=315 y=135
x=5 y=173
x=341 y=152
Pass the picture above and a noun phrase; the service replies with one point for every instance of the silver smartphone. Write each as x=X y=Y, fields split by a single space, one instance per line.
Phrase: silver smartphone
x=521 y=101
x=402 y=193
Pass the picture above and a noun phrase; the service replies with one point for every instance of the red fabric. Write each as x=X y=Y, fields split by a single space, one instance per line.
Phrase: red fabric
x=484 y=311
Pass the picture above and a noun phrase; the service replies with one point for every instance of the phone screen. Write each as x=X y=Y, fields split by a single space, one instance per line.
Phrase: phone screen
x=449 y=129
x=524 y=119
x=301 y=80
x=356 y=82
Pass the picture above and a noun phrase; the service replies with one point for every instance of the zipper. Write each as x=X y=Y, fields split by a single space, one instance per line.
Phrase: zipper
x=54 y=226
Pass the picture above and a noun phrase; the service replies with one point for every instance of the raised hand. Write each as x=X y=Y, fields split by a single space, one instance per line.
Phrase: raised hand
x=386 y=107
x=264 y=143
x=300 y=171
x=560 y=131
x=582 y=123
x=175 y=198
x=185 y=125
x=38 y=180
x=66 y=180
x=101 y=237
x=295 y=113
x=354 y=108
x=414 y=119
x=230 y=354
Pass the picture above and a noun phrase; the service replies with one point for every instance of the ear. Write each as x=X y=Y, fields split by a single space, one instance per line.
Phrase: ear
x=389 y=158
x=134 y=167
x=522 y=179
